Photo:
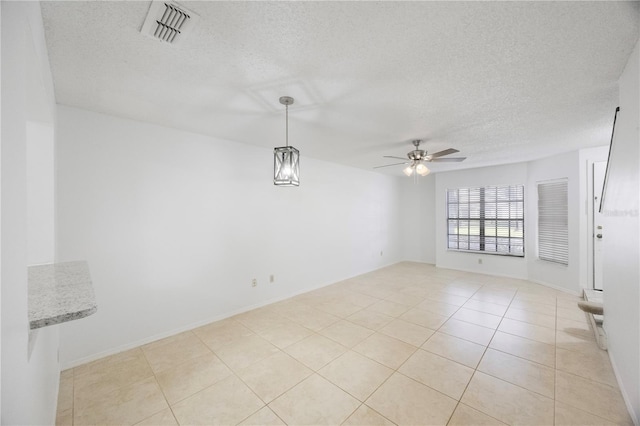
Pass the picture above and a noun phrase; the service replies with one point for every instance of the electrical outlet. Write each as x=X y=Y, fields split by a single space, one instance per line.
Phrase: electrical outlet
x=271 y=278
x=479 y=261
x=254 y=282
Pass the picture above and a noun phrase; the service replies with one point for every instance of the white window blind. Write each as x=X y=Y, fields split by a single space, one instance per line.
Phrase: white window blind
x=553 y=221
x=487 y=219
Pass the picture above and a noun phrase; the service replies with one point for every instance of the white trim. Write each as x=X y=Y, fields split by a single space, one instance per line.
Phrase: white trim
x=132 y=345
x=178 y=330
x=54 y=415
x=562 y=289
x=625 y=397
x=555 y=287
x=485 y=273
x=137 y=343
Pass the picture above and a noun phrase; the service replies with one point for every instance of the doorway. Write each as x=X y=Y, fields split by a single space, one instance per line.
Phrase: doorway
x=599 y=169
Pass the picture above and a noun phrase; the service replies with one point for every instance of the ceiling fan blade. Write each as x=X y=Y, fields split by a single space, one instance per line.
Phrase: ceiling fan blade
x=448 y=160
x=397 y=158
x=389 y=165
x=445 y=152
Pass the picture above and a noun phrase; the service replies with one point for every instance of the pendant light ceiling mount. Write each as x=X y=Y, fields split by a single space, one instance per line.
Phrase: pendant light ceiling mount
x=286 y=100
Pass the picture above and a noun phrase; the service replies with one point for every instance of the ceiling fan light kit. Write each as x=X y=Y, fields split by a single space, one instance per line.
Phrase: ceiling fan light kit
x=419 y=168
x=422 y=170
x=418 y=157
x=286 y=159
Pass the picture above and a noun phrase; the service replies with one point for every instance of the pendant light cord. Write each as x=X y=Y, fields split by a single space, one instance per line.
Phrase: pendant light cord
x=287 y=125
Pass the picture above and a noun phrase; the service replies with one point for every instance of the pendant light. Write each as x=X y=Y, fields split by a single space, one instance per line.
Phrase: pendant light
x=286 y=159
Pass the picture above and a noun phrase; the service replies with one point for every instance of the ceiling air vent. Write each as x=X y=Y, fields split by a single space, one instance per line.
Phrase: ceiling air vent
x=168 y=22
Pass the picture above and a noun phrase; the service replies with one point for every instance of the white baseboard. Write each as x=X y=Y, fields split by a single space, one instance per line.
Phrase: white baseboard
x=481 y=272
x=625 y=396
x=555 y=287
x=562 y=289
x=191 y=326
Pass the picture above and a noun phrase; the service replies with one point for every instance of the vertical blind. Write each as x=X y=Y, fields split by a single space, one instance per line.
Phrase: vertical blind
x=553 y=221
x=486 y=219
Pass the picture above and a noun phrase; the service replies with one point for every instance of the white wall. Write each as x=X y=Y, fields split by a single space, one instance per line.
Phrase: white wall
x=40 y=193
x=622 y=240
x=418 y=224
x=564 y=277
x=29 y=380
x=512 y=174
x=175 y=225
x=425 y=205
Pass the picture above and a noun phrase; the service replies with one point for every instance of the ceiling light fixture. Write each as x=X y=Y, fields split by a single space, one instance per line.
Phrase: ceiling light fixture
x=422 y=170
x=417 y=167
x=286 y=159
x=418 y=157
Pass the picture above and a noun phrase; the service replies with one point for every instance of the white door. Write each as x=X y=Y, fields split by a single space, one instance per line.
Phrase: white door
x=599 y=169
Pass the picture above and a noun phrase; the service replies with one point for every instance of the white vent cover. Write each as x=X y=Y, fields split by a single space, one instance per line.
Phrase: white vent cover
x=168 y=22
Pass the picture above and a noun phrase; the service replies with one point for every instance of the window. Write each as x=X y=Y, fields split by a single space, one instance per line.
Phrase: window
x=553 y=221
x=488 y=219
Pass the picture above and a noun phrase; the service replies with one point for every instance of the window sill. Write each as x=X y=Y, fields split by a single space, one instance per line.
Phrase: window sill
x=520 y=256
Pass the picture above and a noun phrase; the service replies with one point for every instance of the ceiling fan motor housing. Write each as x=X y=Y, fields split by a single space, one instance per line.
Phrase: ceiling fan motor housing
x=417 y=155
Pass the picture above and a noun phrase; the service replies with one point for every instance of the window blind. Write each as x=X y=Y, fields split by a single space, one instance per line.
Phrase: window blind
x=553 y=221
x=486 y=219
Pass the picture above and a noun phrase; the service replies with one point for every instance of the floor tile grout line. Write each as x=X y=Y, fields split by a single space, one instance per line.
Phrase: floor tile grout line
x=485 y=351
x=283 y=392
x=260 y=398
x=113 y=391
x=293 y=386
x=377 y=412
x=521 y=357
x=160 y=387
x=595 y=382
x=233 y=373
x=475 y=370
x=588 y=412
x=515 y=384
x=582 y=409
x=396 y=370
x=317 y=371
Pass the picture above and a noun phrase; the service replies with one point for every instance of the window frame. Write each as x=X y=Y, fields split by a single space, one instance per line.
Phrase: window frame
x=481 y=211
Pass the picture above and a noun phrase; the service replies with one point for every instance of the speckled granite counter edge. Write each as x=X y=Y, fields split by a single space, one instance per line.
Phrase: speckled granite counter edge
x=60 y=292
x=62 y=318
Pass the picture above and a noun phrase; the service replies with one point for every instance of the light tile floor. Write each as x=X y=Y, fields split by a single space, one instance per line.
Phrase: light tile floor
x=407 y=344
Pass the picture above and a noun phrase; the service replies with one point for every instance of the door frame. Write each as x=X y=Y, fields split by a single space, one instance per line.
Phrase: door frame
x=590 y=225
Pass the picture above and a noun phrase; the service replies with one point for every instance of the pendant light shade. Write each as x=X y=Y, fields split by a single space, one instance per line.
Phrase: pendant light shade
x=286 y=166
x=286 y=159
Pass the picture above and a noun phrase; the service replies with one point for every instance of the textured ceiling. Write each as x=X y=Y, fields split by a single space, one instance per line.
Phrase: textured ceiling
x=499 y=81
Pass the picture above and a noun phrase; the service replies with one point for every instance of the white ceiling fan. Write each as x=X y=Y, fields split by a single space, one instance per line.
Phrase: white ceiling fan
x=418 y=157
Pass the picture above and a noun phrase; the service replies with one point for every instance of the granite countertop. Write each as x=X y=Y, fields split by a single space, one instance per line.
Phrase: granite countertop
x=60 y=292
